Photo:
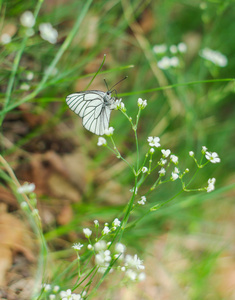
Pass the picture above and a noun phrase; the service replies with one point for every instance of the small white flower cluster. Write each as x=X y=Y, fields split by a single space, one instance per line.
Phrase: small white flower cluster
x=142 y=103
x=47 y=32
x=174 y=159
x=131 y=265
x=68 y=295
x=162 y=48
x=5 y=38
x=211 y=185
x=213 y=157
x=109 y=131
x=154 y=141
x=101 y=141
x=27 y=20
x=119 y=105
x=168 y=62
x=26 y=188
x=106 y=255
x=215 y=57
x=142 y=200
x=53 y=290
x=106 y=230
x=175 y=174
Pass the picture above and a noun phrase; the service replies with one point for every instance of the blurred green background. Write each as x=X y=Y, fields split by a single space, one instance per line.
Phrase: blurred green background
x=188 y=246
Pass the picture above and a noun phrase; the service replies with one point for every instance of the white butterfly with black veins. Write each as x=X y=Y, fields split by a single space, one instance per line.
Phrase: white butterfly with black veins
x=94 y=107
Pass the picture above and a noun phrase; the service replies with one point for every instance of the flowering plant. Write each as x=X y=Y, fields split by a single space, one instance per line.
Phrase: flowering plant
x=109 y=253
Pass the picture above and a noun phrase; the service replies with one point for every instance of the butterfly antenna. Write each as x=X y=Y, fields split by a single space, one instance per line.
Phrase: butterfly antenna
x=118 y=82
x=106 y=84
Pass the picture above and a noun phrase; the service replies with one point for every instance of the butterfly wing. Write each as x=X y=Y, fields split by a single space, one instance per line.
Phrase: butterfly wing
x=93 y=110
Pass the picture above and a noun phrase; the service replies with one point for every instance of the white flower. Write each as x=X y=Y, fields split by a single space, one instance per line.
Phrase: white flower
x=123 y=269
x=24 y=87
x=56 y=288
x=106 y=230
x=134 y=262
x=174 y=176
x=173 y=49
x=89 y=247
x=162 y=162
x=162 y=172
x=120 y=248
x=29 y=76
x=164 y=63
x=142 y=103
x=48 y=33
x=52 y=297
x=142 y=200
x=102 y=257
x=77 y=246
x=159 y=49
x=87 y=232
x=191 y=153
x=215 y=57
x=152 y=150
x=119 y=105
x=166 y=153
x=131 y=274
x=167 y=62
x=213 y=157
x=76 y=297
x=144 y=170
x=96 y=223
x=134 y=190
x=211 y=185
x=116 y=222
x=176 y=170
x=66 y=294
x=204 y=149
x=174 y=159
x=46 y=287
x=5 y=38
x=51 y=71
x=83 y=294
x=182 y=47
x=27 y=19
x=104 y=268
x=101 y=245
x=109 y=131
x=27 y=188
x=174 y=61
x=101 y=141
x=154 y=141
x=141 y=276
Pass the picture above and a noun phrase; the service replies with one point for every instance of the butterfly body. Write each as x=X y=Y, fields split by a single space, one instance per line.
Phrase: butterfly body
x=94 y=107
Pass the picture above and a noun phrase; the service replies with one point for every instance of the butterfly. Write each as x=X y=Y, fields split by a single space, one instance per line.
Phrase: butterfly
x=94 y=107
